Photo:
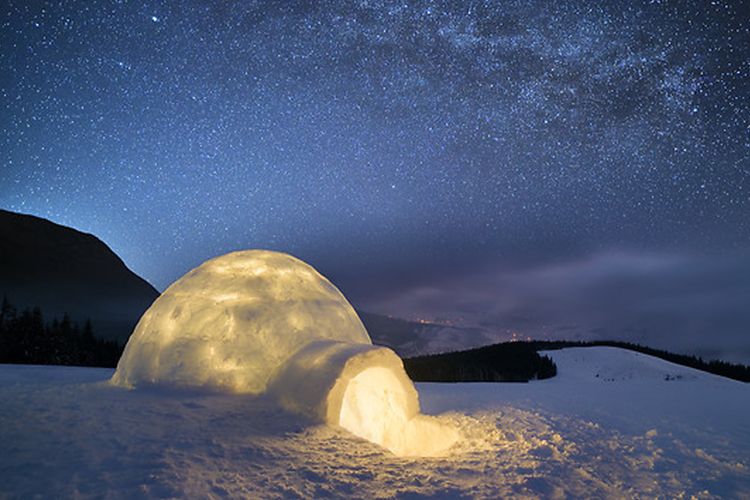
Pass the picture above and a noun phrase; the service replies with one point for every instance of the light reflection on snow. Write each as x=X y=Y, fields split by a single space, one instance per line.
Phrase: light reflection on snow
x=375 y=406
x=64 y=435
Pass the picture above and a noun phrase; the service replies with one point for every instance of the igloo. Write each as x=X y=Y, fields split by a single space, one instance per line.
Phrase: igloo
x=261 y=322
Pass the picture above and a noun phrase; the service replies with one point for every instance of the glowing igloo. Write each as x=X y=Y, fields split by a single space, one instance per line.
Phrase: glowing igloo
x=265 y=322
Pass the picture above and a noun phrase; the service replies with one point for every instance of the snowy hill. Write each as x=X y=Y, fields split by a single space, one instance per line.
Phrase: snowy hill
x=611 y=364
x=613 y=423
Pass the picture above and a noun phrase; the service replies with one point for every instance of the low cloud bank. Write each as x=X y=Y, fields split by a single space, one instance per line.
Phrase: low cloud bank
x=696 y=304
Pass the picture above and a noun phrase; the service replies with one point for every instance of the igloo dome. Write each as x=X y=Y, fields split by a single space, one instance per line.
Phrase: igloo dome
x=233 y=321
x=260 y=322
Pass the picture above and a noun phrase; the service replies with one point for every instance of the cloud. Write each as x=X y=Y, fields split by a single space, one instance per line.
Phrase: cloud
x=686 y=303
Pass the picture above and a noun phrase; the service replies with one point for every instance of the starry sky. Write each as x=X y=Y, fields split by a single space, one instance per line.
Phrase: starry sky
x=567 y=169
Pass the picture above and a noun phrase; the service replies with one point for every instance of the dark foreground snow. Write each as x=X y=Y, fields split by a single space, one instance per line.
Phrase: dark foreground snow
x=612 y=424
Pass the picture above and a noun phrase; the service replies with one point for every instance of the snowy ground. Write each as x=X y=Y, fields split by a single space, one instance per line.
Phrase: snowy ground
x=612 y=424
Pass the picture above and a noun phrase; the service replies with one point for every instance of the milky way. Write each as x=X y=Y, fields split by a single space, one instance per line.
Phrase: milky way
x=385 y=142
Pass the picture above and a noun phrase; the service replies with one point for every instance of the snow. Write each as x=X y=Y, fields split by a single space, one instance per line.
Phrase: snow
x=233 y=321
x=642 y=427
x=365 y=390
x=255 y=319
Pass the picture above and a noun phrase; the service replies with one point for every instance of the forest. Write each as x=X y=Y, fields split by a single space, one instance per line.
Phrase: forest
x=27 y=338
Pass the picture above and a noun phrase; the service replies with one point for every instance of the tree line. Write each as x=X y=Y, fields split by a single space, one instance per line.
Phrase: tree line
x=508 y=362
x=734 y=371
x=26 y=338
x=521 y=362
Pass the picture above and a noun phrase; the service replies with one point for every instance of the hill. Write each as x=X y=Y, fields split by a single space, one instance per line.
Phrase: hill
x=62 y=270
x=522 y=361
x=413 y=338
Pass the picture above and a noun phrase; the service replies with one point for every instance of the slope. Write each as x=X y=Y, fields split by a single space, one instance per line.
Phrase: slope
x=63 y=270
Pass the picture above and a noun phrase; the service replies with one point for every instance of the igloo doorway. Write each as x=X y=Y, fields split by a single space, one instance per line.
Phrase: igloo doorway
x=374 y=407
x=364 y=389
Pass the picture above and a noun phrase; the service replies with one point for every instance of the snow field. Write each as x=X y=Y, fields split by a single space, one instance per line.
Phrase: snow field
x=67 y=432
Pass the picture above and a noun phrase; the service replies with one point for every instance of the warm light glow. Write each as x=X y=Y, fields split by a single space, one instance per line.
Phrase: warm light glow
x=374 y=408
x=253 y=309
x=259 y=321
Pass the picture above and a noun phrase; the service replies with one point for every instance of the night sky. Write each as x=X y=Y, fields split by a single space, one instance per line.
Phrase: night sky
x=558 y=170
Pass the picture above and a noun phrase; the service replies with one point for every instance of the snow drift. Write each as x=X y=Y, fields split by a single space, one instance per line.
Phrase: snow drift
x=262 y=322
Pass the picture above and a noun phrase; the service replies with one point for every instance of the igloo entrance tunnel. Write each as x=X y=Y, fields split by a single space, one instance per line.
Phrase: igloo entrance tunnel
x=263 y=322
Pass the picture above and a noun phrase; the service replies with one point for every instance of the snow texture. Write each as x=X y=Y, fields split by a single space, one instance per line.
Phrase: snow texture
x=364 y=389
x=249 y=319
x=612 y=424
x=233 y=321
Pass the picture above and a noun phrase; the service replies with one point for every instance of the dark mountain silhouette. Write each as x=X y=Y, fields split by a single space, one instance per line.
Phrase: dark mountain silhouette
x=62 y=270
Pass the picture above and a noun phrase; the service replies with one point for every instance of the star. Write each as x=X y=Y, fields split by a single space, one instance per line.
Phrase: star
x=405 y=140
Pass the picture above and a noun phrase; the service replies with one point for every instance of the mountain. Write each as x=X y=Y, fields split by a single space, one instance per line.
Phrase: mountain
x=412 y=338
x=63 y=270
